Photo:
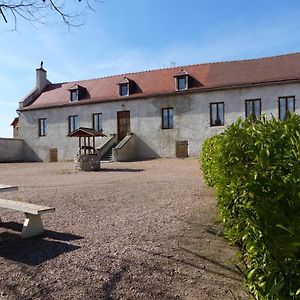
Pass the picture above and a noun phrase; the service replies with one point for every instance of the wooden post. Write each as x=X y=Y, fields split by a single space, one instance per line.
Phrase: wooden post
x=89 y=145
x=94 y=145
x=85 y=145
x=80 y=145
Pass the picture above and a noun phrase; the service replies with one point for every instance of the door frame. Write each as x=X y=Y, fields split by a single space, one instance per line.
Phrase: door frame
x=118 y=123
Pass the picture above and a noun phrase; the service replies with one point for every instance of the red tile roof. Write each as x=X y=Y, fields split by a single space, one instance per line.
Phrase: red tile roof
x=161 y=82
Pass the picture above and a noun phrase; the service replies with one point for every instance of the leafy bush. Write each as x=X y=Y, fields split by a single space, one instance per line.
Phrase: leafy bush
x=209 y=156
x=256 y=172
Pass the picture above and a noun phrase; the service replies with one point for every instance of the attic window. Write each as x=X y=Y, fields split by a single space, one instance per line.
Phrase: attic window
x=182 y=80
x=124 y=87
x=77 y=92
x=74 y=95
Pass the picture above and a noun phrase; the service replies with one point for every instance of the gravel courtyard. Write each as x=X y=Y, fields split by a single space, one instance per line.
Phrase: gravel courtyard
x=136 y=230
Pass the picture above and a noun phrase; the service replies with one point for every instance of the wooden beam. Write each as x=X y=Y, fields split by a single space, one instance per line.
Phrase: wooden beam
x=80 y=145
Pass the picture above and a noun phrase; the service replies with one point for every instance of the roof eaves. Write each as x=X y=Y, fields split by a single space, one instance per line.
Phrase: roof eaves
x=188 y=91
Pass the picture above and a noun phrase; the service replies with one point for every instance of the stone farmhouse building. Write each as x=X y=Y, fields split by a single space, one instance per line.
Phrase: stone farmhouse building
x=158 y=113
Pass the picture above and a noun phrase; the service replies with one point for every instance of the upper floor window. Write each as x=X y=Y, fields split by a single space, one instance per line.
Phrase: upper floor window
x=124 y=89
x=285 y=105
x=77 y=92
x=217 y=114
x=182 y=80
x=253 y=108
x=181 y=83
x=124 y=86
x=167 y=118
x=97 y=122
x=73 y=123
x=43 y=127
x=74 y=95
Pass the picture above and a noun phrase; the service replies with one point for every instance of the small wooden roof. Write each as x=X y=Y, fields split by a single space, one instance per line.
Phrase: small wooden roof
x=125 y=80
x=183 y=72
x=85 y=132
x=76 y=87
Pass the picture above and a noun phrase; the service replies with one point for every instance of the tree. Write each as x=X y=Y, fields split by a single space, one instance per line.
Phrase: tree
x=39 y=11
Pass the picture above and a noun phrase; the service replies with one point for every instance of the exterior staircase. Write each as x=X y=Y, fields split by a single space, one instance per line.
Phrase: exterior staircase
x=107 y=157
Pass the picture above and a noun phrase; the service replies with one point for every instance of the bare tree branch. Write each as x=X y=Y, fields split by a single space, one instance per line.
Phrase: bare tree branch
x=39 y=11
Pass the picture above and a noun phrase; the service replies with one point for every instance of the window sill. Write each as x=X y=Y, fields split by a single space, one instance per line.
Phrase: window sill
x=216 y=126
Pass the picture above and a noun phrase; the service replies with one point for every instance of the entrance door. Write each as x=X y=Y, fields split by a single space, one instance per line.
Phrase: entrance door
x=123 y=123
x=182 y=149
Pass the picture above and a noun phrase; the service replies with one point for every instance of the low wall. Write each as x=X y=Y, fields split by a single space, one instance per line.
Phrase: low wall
x=125 y=150
x=106 y=143
x=11 y=150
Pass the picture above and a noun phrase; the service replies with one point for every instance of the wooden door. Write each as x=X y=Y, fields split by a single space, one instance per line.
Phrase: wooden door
x=123 y=123
x=182 y=149
x=53 y=154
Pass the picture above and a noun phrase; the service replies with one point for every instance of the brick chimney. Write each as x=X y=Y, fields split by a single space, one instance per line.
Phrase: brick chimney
x=41 y=78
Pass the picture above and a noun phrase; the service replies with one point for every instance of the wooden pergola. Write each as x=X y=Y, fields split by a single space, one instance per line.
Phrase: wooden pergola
x=87 y=138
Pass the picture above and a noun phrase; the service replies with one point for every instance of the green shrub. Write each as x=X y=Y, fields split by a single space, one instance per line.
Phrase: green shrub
x=256 y=173
x=209 y=155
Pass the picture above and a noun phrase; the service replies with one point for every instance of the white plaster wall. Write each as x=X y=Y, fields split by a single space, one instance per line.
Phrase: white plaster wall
x=126 y=151
x=191 y=120
x=11 y=150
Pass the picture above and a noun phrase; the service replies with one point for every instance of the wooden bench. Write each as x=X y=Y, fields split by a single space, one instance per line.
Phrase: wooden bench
x=33 y=224
x=7 y=188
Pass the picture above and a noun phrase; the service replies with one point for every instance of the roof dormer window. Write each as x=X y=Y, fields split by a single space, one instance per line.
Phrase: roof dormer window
x=74 y=95
x=182 y=80
x=124 y=86
x=77 y=92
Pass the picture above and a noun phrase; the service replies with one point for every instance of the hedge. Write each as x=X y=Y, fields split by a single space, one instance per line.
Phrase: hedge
x=255 y=168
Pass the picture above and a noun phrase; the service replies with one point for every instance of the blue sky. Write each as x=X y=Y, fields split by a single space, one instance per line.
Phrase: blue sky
x=135 y=35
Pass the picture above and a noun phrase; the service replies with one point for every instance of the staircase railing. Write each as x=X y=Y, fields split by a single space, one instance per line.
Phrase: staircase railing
x=126 y=149
x=107 y=144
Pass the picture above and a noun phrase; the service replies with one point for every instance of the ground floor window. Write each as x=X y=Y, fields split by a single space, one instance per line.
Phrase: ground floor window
x=167 y=118
x=217 y=114
x=43 y=127
x=253 y=108
x=285 y=105
x=97 y=122
x=73 y=123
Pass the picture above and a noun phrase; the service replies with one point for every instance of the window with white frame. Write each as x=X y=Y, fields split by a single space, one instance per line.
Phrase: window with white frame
x=74 y=95
x=182 y=83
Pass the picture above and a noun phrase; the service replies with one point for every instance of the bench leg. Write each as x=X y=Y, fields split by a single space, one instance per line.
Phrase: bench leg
x=32 y=226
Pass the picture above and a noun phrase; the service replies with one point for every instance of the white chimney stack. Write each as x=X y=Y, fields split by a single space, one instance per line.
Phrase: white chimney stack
x=41 y=78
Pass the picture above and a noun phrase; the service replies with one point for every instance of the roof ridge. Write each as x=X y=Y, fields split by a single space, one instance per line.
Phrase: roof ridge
x=178 y=67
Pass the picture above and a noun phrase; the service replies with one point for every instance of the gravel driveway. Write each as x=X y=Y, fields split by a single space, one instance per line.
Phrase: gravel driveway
x=136 y=230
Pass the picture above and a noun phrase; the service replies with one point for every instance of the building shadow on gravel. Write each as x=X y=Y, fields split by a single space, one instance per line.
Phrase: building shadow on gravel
x=36 y=250
x=120 y=170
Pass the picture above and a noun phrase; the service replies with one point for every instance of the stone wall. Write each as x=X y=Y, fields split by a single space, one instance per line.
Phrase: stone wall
x=11 y=150
x=87 y=162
